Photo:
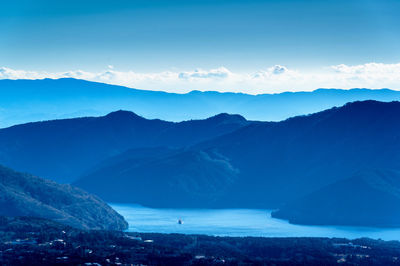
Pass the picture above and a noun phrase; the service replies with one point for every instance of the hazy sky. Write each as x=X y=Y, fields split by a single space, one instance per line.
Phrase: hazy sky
x=142 y=42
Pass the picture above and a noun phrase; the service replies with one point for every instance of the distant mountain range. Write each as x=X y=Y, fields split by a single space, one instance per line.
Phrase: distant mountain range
x=26 y=195
x=67 y=98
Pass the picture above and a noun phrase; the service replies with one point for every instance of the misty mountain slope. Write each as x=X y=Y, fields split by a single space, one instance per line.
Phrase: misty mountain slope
x=64 y=149
x=27 y=195
x=130 y=158
x=66 y=98
x=180 y=178
x=369 y=198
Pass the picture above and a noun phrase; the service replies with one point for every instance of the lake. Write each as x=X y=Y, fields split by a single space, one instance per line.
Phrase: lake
x=235 y=222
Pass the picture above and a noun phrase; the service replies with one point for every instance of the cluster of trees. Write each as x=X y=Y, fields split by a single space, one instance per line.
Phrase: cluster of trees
x=38 y=241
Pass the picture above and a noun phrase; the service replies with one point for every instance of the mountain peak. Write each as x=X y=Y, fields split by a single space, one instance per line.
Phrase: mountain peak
x=227 y=118
x=123 y=114
x=370 y=108
x=370 y=103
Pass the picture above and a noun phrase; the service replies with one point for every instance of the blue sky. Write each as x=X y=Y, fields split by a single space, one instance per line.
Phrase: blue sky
x=156 y=36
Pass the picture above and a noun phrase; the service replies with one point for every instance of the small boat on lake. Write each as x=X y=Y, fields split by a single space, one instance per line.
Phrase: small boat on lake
x=180 y=221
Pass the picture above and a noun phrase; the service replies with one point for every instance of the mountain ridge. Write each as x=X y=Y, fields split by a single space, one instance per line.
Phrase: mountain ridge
x=70 y=146
x=50 y=99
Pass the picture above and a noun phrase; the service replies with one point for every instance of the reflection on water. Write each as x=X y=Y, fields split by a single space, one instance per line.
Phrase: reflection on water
x=235 y=222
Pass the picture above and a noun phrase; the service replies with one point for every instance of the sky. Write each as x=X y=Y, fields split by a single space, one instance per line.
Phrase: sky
x=242 y=46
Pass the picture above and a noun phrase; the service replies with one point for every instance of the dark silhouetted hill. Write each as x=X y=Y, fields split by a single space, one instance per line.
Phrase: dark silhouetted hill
x=64 y=149
x=27 y=195
x=369 y=198
x=279 y=162
x=163 y=178
x=274 y=163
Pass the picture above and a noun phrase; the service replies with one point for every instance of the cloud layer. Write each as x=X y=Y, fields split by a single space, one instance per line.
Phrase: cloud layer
x=273 y=79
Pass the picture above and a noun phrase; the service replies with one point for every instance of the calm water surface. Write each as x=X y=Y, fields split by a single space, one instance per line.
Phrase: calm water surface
x=235 y=222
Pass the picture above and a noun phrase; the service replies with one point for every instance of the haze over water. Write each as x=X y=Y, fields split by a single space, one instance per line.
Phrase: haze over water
x=236 y=223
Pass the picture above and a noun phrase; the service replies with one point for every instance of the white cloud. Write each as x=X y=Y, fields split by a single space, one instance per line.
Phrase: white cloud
x=272 y=79
x=272 y=72
x=8 y=73
x=219 y=73
x=276 y=70
x=370 y=68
